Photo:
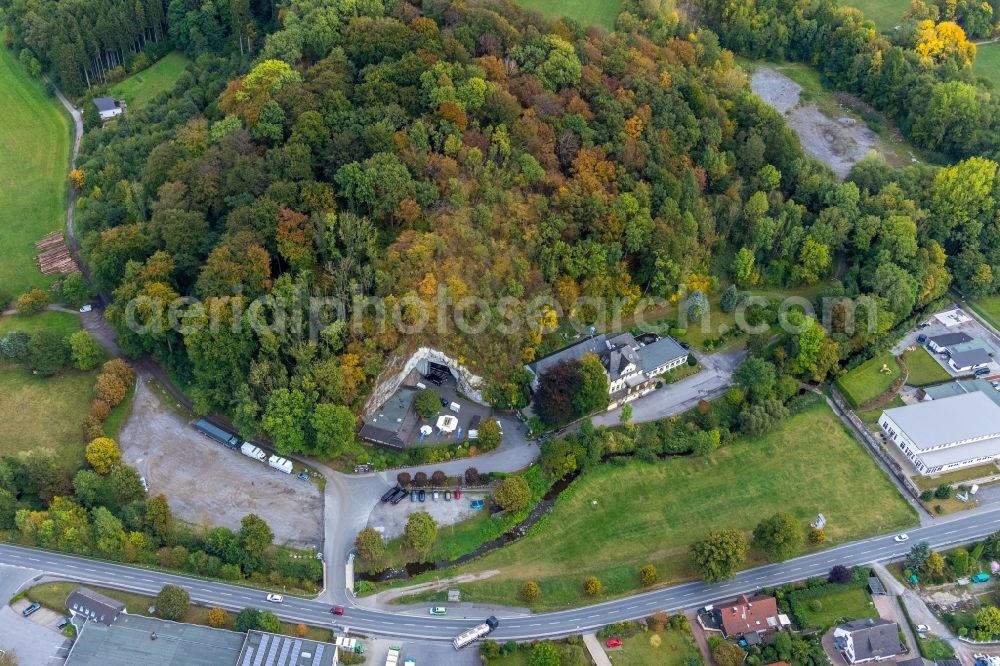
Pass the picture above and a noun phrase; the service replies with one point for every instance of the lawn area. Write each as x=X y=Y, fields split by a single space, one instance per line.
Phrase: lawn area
x=45 y=412
x=868 y=381
x=987 y=64
x=871 y=416
x=616 y=518
x=886 y=14
x=140 y=88
x=587 y=12
x=835 y=603
x=675 y=646
x=60 y=323
x=34 y=161
x=989 y=308
x=922 y=369
x=569 y=655
x=958 y=476
x=53 y=596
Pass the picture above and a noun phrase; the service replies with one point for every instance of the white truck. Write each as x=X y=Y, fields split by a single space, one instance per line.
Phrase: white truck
x=349 y=645
x=472 y=635
x=280 y=464
x=393 y=658
x=252 y=451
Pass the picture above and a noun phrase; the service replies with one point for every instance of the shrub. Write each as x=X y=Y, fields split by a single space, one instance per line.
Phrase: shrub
x=110 y=389
x=530 y=591
x=172 y=603
x=364 y=588
x=93 y=428
x=658 y=621
x=647 y=575
x=217 y=617
x=103 y=454
x=943 y=491
x=592 y=586
x=816 y=535
x=269 y=622
x=420 y=479
x=840 y=575
x=927 y=495
x=438 y=478
x=99 y=409
x=301 y=630
x=472 y=477
x=728 y=654
x=248 y=619
x=32 y=302
x=426 y=403
x=404 y=479
x=120 y=369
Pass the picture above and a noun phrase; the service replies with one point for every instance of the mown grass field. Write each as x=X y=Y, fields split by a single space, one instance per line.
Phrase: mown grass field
x=840 y=601
x=886 y=14
x=989 y=308
x=34 y=161
x=587 y=12
x=675 y=646
x=867 y=381
x=45 y=412
x=987 y=64
x=958 y=476
x=922 y=369
x=142 y=87
x=60 y=323
x=617 y=518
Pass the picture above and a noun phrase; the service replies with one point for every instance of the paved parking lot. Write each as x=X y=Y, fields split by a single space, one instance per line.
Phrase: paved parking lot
x=971 y=327
x=393 y=517
x=34 y=643
x=423 y=652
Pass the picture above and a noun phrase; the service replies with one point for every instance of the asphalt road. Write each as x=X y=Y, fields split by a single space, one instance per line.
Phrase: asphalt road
x=969 y=526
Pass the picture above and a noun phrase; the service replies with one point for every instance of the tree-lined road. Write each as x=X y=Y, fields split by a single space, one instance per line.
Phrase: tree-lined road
x=970 y=526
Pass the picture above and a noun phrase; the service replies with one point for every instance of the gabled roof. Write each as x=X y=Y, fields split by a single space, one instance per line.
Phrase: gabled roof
x=872 y=638
x=592 y=345
x=749 y=614
x=105 y=103
x=972 y=357
x=949 y=339
x=94 y=605
x=660 y=353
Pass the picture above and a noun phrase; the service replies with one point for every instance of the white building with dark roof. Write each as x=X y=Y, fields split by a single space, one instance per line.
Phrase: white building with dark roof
x=947 y=433
x=107 y=107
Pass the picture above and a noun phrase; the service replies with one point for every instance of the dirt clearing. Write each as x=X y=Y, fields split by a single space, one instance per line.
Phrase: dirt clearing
x=209 y=485
x=839 y=143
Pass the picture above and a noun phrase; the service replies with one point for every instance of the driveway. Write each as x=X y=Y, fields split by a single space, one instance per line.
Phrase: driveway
x=32 y=642
x=887 y=606
x=715 y=377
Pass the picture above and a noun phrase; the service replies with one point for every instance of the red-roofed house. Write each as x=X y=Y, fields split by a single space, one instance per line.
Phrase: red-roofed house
x=752 y=615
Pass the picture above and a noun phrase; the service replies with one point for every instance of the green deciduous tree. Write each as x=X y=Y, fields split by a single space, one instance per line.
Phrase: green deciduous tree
x=593 y=392
x=103 y=454
x=719 y=554
x=370 y=547
x=779 y=536
x=426 y=403
x=172 y=603
x=420 y=531
x=334 y=428
x=87 y=354
x=513 y=494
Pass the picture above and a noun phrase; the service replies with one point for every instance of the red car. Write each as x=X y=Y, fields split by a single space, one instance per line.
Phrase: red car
x=457 y=494
x=614 y=642
x=337 y=610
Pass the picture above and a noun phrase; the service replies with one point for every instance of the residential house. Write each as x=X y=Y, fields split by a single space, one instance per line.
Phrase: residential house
x=947 y=433
x=940 y=343
x=969 y=360
x=394 y=422
x=632 y=366
x=752 y=617
x=93 y=606
x=108 y=107
x=867 y=640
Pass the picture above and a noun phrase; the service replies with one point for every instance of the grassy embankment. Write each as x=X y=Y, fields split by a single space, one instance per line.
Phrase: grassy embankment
x=160 y=77
x=617 y=518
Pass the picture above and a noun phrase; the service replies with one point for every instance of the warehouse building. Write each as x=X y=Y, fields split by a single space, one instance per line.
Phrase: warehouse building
x=945 y=434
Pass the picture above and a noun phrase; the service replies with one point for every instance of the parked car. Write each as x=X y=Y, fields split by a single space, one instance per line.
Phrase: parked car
x=438 y=610
x=413 y=495
x=337 y=610
x=685 y=345
x=921 y=339
x=31 y=609
x=478 y=504
x=924 y=324
x=922 y=628
x=389 y=493
x=447 y=496
x=982 y=372
x=434 y=496
x=275 y=598
x=86 y=308
x=304 y=476
x=62 y=623
x=444 y=402
x=145 y=486
x=614 y=642
x=458 y=494
x=900 y=538
x=422 y=495
x=398 y=496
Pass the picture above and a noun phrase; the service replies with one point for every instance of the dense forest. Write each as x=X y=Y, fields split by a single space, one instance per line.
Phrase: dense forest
x=440 y=150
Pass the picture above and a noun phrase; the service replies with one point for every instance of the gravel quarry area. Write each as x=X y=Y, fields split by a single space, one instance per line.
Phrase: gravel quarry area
x=839 y=143
x=208 y=485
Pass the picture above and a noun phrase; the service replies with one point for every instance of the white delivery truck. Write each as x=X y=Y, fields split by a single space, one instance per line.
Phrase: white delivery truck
x=472 y=635
x=280 y=464
x=393 y=658
x=252 y=451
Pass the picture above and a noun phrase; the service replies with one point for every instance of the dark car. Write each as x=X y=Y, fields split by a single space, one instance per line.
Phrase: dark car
x=337 y=610
x=684 y=345
x=31 y=609
x=422 y=495
x=390 y=493
x=397 y=496
x=921 y=339
x=444 y=403
x=982 y=372
x=923 y=325
x=62 y=623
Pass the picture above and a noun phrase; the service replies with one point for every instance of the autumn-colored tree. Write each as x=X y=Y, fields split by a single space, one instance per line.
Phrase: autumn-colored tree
x=78 y=179
x=530 y=591
x=103 y=454
x=110 y=389
x=217 y=617
x=120 y=369
x=937 y=43
x=648 y=575
x=592 y=586
x=301 y=630
x=99 y=409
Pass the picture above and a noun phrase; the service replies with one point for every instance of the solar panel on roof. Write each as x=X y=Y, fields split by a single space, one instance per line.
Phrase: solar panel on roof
x=286 y=647
x=296 y=650
x=273 y=652
x=262 y=649
x=318 y=657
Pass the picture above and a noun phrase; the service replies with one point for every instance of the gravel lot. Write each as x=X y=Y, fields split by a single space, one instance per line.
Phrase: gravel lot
x=838 y=143
x=209 y=485
x=393 y=518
